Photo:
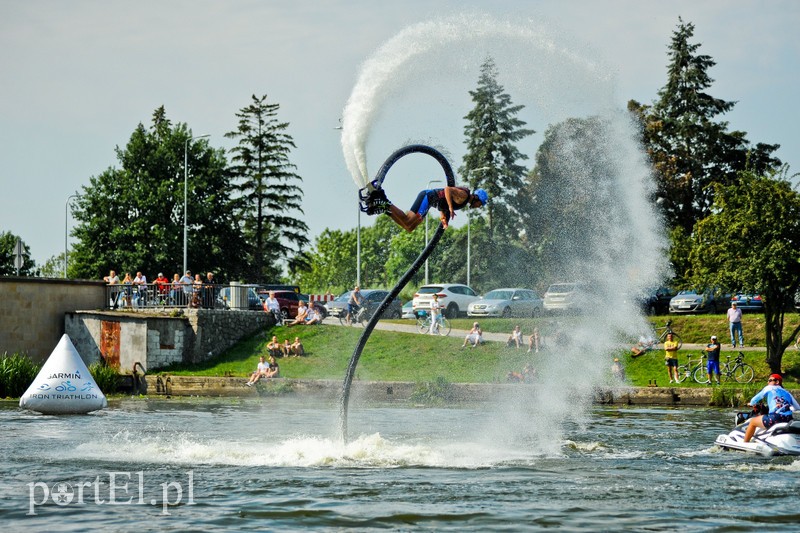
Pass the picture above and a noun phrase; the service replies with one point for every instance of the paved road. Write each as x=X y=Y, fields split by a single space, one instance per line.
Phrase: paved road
x=503 y=337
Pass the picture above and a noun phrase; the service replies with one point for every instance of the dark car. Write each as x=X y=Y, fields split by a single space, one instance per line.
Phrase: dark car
x=748 y=302
x=372 y=299
x=656 y=301
x=290 y=301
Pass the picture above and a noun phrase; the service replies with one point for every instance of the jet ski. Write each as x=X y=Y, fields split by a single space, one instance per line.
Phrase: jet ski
x=780 y=439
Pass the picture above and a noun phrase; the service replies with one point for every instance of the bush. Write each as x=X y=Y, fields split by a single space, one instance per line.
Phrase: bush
x=732 y=397
x=17 y=372
x=434 y=394
x=106 y=377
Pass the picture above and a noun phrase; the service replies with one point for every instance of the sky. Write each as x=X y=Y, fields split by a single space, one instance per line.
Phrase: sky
x=79 y=76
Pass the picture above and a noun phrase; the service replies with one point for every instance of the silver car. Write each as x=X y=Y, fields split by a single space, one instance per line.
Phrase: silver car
x=507 y=303
x=566 y=298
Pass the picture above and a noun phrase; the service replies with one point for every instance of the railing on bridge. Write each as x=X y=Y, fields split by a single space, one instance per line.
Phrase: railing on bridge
x=165 y=296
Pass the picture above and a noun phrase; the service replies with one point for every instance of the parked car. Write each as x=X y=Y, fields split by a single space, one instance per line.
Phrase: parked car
x=748 y=302
x=372 y=300
x=453 y=297
x=566 y=298
x=656 y=302
x=507 y=303
x=290 y=301
x=254 y=303
x=408 y=311
x=694 y=301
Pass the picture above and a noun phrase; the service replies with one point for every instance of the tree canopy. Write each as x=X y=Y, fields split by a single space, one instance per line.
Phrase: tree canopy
x=689 y=145
x=750 y=243
x=270 y=197
x=131 y=218
x=8 y=244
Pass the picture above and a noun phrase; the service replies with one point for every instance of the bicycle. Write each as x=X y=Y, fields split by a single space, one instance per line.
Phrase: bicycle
x=738 y=370
x=691 y=368
x=442 y=326
x=667 y=330
x=360 y=317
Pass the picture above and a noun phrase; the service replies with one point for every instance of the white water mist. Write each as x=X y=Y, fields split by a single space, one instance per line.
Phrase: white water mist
x=555 y=81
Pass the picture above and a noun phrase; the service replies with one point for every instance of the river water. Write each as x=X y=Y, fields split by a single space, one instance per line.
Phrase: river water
x=277 y=465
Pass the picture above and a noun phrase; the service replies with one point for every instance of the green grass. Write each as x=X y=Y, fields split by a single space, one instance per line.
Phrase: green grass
x=391 y=356
x=388 y=356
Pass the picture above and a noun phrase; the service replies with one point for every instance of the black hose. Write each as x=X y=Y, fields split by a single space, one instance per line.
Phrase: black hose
x=351 y=368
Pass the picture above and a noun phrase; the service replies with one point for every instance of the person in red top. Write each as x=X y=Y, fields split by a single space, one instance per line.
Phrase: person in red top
x=162 y=286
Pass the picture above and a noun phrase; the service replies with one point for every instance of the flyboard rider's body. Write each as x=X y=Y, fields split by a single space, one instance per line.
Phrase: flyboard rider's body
x=448 y=200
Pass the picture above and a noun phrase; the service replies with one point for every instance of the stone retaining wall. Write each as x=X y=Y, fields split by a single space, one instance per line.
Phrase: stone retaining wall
x=125 y=339
x=330 y=390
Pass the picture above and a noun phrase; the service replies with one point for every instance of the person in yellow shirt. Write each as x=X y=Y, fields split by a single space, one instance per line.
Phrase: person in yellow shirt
x=671 y=356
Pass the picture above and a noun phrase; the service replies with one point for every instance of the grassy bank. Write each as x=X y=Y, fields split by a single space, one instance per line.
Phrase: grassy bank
x=391 y=356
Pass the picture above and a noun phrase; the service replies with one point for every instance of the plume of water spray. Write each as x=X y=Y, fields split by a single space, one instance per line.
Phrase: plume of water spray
x=621 y=250
x=451 y=49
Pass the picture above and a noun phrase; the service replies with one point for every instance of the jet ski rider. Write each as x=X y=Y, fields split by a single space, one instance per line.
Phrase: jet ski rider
x=781 y=404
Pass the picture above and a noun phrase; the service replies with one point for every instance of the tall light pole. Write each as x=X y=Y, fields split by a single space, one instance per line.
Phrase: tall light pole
x=426 y=232
x=186 y=189
x=66 y=233
x=358 y=248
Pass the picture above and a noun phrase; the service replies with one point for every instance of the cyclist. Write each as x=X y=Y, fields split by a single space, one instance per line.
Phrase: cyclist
x=713 y=359
x=436 y=314
x=354 y=303
x=781 y=404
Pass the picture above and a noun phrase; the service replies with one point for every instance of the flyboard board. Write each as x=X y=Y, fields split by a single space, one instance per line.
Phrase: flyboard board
x=64 y=385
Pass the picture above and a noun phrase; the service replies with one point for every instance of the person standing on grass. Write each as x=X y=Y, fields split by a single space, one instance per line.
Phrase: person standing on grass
x=671 y=357
x=735 y=324
x=712 y=349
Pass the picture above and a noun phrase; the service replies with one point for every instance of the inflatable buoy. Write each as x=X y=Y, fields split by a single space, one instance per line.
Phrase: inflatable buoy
x=64 y=385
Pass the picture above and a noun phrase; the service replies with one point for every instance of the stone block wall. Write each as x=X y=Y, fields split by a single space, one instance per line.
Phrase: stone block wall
x=32 y=311
x=125 y=338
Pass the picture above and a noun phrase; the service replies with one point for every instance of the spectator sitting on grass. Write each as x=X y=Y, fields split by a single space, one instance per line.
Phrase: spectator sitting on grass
x=286 y=349
x=261 y=371
x=302 y=311
x=474 y=337
x=274 y=370
x=296 y=348
x=312 y=317
x=644 y=345
x=274 y=347
x=515 y=339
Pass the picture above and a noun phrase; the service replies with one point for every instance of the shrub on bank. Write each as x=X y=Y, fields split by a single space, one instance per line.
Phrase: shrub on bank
x=106 y=377
x=17 y=372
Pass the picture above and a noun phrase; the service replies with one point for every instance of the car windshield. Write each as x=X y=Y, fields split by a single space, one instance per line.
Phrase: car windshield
x=499 y=295
x=343 y=298
x=562 y=287
x=429 y=290
x=689 y=293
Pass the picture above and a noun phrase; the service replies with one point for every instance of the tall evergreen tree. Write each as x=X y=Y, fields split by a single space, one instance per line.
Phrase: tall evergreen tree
x=131 y=218
x=689 y=146
x=270 y=194
x=492 y=160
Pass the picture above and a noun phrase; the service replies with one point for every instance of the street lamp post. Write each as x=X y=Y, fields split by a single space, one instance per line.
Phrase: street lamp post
x=186 y=189
x=426 y=232
x=469 y=220
x=66 y=233
x=358 y=248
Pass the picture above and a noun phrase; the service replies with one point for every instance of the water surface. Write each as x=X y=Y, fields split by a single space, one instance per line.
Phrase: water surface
x=277 y=465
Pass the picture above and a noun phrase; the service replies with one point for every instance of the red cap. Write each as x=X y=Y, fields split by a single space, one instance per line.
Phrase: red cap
x=776 y=377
